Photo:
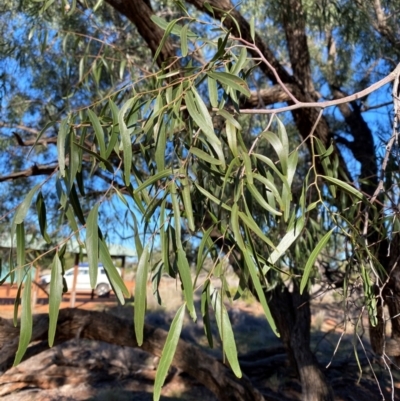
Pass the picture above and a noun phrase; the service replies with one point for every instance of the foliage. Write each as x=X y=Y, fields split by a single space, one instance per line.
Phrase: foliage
x=170 y=153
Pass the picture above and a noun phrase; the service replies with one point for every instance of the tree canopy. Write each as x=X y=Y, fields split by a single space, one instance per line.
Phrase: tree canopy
x=260 y=136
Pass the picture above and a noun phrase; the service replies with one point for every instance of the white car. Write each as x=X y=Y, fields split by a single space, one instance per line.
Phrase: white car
x=102 y=288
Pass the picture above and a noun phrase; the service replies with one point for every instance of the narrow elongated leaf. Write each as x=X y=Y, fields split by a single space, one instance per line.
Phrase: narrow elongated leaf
x=186 y=278
x=241 y=62
x=153 y=178
x=187 y=200
x=167 y=32
x=346 y=187
x=177 y=214
x=39 y=135
x=212 y=197
x=24 y=206
x=247 y=167
x=288 y=239
x=61 y=137
x=104 y=161
x=261 y=201
x=205 y=302
x=226 y=333
x=229 y=117
x=20 y=230
x=168 y=352
x=140 y=294
x=231 y=81
x=280 y=149
x=26 y=320
x=74 y=200
x=92 y=244
x=98 y=130
x=56 y=289
x=198 y=111
x=113 y=275
x=184 y=43
x=252 y=225
x=126 y=139
x=212 y=91
x=251 y=267
x=41 y=211
x=313 y=257
x=205 y=156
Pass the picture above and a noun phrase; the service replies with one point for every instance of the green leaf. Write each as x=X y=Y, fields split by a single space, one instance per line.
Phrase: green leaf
x=247 y=253
x=176 y=30
x=280 y=149
x=241 y=62
x=23 y=208
x=61 y=137
x=291 y=235
x=106 y=163
x=187 y=200
x=231 y=81
x=168 y=352
x=20 y=230
x=212 y=91
x=226 y=333
x=346 y=187
x=141 y=294
x=26 y=320
x=56 y=289
x=154 y=178
x=184 y=43
x=126 y=139
x=313 y=257
x=260 y=199
x=229 y=118
x=98 y=130
x=247 y=167
x=92 y=244
x=212 y=197
x=205 y=302
x=252 y=225
x=198 y=111
x=113 y=275
x=186 y=279
x=167 y=32
x=74 y=200
x=39 y=135
x=205 y=156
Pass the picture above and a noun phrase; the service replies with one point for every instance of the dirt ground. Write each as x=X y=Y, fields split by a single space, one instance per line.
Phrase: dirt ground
x=103 y=372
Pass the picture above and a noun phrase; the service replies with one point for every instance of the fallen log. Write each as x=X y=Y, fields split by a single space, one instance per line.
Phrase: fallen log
x=77 y=323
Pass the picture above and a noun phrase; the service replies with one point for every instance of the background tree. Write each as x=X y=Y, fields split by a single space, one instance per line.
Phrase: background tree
x=187 y=149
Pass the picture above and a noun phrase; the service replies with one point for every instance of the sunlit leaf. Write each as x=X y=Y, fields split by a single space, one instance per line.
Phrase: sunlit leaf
x=231 y=81
x=92 y=244
x=226 y=333
x=312 y=258
x=140 y=294
x=26 y=320
x=186 y=279
x=56 y=289
x=168 y=352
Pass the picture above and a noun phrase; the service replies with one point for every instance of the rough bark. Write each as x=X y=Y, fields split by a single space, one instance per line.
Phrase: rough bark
x=104 y=327
x=291 y=312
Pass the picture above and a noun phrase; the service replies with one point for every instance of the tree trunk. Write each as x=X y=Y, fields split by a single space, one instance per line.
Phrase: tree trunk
x=291 y=312
x=98 y=326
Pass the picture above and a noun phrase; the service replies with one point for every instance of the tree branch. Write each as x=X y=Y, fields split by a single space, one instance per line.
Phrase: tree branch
x=36 y=169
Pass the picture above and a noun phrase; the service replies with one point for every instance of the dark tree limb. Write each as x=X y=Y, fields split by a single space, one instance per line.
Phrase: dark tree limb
x=37 y=169
x=99 y=326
